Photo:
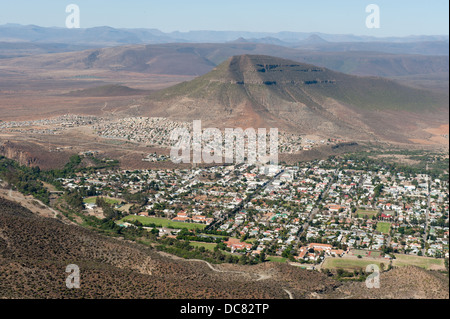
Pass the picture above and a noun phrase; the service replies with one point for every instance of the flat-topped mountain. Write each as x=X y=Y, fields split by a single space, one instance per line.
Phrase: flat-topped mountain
x=264 y=91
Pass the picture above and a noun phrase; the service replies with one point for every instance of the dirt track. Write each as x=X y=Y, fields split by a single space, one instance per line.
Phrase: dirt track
x=34 y=205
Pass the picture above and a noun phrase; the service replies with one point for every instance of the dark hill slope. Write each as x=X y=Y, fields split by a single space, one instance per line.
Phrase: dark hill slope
x=400 y=283
x=35 y=251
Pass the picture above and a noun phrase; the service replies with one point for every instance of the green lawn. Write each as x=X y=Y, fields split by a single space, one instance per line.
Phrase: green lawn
x=360 y=252
x=383 y=227
x=375 y=254
x=276 y=259
x=109 y=200
x=365 y=253
x=125 y=208
x=400 y=261
x=208 y=246
x=162 y=222
x=351 y=263
x=215 y=236
x=423 y=262
x=369 y=213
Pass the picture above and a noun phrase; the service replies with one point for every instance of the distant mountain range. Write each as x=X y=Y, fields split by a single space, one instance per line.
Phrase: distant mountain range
x=332 y=85
x=107 y=36
x=262 y=91
x=198 y=59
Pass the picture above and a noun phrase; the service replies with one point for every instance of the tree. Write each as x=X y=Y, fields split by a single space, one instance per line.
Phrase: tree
x=378 y=189
x=75 y=200
x=262 y=256
x=244 y=237
x=243 y=260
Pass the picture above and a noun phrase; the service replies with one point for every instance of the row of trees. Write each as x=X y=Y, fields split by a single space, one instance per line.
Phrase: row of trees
x=24 y=179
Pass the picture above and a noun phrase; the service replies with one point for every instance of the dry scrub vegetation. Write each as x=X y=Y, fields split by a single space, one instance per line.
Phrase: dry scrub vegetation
x=401 y=283
x=35 y=251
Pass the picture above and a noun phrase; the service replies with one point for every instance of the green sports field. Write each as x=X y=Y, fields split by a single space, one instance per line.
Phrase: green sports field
x=351 y=263
x=383 y=227
x=161 y=222
x=400 y=261
x=109 y=200
x=369 y=213
x=276 y=259
x=208 y=246
x=423 y=262
x=360 y=252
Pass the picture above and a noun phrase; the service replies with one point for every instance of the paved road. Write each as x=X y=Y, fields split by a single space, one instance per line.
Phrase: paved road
x=427 y=212
x=315 y=210
x=247 y=200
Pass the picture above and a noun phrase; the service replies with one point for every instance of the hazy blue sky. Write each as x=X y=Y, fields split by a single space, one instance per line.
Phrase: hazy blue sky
x=398 y=17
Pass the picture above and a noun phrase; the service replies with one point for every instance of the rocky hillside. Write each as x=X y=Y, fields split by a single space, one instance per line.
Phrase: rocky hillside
x=35 y=251
x=264 y=91
x=400 y=283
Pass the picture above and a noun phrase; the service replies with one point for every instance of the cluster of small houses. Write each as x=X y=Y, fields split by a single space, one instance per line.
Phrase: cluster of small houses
x=68 y=120
x=314 y=250
x=402 y=200
x=185 y=217
x=149 y=131
x=335 y=222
